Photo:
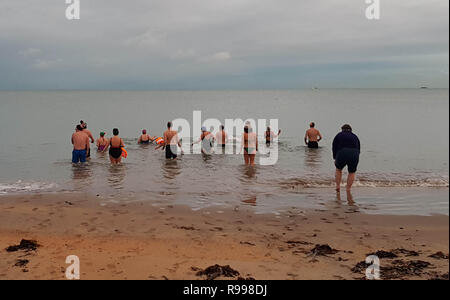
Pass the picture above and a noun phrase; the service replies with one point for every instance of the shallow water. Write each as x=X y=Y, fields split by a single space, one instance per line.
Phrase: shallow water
x=404 y=137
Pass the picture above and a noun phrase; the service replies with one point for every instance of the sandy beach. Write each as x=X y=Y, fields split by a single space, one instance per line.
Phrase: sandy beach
x=139 y=240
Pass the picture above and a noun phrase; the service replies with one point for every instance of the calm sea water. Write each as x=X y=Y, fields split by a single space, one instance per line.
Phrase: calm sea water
x=404 y=135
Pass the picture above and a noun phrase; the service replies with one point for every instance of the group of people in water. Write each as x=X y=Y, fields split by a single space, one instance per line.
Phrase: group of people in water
x=346 y=145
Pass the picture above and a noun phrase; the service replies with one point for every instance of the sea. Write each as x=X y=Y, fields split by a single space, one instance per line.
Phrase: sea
x=404 y=134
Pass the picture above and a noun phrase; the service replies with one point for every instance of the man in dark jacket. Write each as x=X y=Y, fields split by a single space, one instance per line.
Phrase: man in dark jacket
x=346 y=149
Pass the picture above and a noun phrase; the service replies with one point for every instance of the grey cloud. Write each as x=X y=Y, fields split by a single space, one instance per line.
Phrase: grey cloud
x=199 y=44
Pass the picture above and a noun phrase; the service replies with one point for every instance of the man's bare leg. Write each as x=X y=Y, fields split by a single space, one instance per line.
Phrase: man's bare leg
x=350 y=180
x=350 y=198
x=338 y=180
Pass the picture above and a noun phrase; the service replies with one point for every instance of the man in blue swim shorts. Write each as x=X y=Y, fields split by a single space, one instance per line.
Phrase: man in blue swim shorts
x=80 y=142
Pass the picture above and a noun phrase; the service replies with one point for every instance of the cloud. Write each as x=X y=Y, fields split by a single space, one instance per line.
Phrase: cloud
x=149 y=38
x=215 y=43
x=183 y=54
x=30 y=52
x=217 y=57
x=42 y=64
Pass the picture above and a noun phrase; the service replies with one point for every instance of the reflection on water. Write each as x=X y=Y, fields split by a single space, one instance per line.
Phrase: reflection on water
x=81 y=171
x=207 y=157
x=170 y=169
x=101 y=155
x=248 y=173
x=314 y=159
x=81 y=176
x=250 y=200
x=350 y=200
x=116 y=176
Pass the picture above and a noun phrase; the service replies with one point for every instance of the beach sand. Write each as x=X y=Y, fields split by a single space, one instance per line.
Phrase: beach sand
x=139 y=240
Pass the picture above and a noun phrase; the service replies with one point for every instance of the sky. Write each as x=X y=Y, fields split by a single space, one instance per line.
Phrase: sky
x=223 y=44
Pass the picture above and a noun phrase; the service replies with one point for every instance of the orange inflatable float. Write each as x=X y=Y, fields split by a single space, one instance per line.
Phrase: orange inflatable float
x=124 y=153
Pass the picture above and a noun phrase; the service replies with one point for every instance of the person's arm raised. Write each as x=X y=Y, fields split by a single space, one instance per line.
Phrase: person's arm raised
x=279 y=133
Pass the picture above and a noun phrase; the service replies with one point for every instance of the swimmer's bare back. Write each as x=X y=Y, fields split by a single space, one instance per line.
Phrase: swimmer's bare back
x=171 y=137
x=313 y=135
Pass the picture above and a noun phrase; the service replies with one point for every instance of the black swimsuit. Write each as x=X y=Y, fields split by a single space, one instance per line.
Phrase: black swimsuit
x=114 y=152
x=142 y=142
x=169 y=153
x=268 y=138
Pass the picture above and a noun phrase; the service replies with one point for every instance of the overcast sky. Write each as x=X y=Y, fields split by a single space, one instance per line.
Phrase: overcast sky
x=223 y=44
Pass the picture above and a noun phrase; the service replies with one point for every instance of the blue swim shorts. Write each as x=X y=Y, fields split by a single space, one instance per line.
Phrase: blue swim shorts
x=79 y=156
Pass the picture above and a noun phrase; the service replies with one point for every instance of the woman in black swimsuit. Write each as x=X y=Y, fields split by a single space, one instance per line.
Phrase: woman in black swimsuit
x=270 y=135
x=115 y=148
x=145 y=139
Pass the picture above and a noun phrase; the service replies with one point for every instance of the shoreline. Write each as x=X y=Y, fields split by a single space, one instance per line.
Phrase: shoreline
x=139 y=240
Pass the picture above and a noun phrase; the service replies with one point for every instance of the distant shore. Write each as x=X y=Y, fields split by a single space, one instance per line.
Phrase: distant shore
x=141 y=241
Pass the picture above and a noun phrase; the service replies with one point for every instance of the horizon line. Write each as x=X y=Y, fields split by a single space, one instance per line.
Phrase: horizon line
x=213 y=89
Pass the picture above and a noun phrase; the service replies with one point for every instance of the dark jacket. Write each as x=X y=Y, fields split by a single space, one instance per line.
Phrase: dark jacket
x=345 y=139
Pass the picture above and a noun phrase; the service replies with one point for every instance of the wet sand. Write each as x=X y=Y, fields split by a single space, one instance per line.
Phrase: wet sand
x=141 y=241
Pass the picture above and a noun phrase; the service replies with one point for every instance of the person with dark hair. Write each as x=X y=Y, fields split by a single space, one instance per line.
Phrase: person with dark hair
x=221 y=137
x=145 y=139
x=80 y=143
x=102 y=142
x=171 y=140
x=90 y=136
x=312 y=136
x=249 y=145
x=346 y=150
x=270 y=135
x=115 y=148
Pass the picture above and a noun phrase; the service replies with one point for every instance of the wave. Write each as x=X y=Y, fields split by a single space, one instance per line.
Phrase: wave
x=20 y=187
x=438 y=182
